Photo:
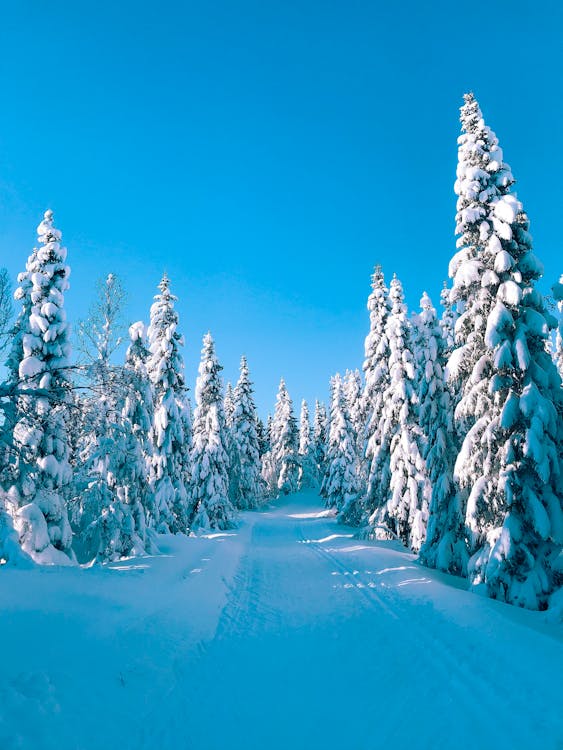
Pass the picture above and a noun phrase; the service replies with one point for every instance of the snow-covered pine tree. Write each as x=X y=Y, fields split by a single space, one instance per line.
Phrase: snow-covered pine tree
x=376 y=380
x=403 y=487
x=262 y=434
x=229 y=405
x=234 y=467
x=448 y=321
x=103 y=524
x=341 y=483
x=37 y=368
x=353 y=393
x=211 y=507
x=509 y=415
x=558 y=295
x=170 y=460
x=249 y=489
x=445 y=547
x=285 y=443
x=307 y=466
x=320 y=440
x=133 y=459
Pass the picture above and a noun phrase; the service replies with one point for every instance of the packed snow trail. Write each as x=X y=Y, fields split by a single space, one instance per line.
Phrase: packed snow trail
x=288 y=633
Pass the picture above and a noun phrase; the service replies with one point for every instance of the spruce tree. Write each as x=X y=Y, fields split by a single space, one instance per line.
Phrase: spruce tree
x=376 y=378
x=320 y=439
x=341 y=484
x=402 y=488
x=38 y=369
x=211 y=507
x=558 y=295
x=509 y=415
x=285 y=443
x=445 y=547
x=353 y=393
x=307 y=467
x=448 y=321
x=249 y=486
x=136 y=410
x=170 y=463
x=262 y=434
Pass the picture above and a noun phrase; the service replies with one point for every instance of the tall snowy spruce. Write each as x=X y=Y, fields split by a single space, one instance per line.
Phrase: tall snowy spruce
x=320 y=439
x=284 y=444
x=341 y=482
x=510 y=412
x=376 y=380
x=445 y=547
x=353 y=393
x=402 y=491
x=558 y=295
x=246 y=467
x=170 y=462
x=37 y=368
x=307 y=466
x=136 y=410
x=211 y=507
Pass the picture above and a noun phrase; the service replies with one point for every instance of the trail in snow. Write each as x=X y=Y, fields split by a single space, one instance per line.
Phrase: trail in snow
x=288 y=633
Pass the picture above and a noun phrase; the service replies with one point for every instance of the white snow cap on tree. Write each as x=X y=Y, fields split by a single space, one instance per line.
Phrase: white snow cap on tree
x=38 y=362
x=170 y=463
x=211 y=505
x=509 y=415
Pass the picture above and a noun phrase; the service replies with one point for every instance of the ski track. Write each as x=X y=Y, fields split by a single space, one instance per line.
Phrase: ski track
x=290 y=634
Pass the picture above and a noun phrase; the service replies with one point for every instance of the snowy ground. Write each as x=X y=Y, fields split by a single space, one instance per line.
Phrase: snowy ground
x=286 y=634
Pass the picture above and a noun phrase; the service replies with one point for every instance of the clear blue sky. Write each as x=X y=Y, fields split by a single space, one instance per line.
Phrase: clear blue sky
x=267 y=155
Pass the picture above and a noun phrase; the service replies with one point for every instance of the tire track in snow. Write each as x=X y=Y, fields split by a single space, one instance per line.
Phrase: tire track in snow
x=468 y=684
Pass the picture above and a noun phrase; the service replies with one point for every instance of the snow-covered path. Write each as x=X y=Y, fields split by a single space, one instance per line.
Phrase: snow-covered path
x=287 y=634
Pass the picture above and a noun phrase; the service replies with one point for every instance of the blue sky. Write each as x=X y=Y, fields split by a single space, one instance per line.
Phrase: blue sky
x=267 y=155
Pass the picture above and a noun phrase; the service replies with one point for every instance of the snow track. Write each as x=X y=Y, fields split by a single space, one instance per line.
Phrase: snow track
x=286 y=634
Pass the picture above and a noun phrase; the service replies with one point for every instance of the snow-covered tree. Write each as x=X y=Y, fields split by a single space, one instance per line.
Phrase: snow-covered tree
x=136 y=418
x=262 y=434
x=449 y=318
x=170 y=438
x=229 y=405
x=307 y=465
x=376 y=379
x=403 y=488
x=353 y=393
x=248 y=486
x=509 y=415
x=38 y=369
x=341 y=482
x=285 y=443
x=320 y=439
x=211 y=507
x=558 y=294
x=445 y=547
x=103 y=526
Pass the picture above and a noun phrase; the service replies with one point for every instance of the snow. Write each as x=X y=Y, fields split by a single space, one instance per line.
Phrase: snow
x=285 y=633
